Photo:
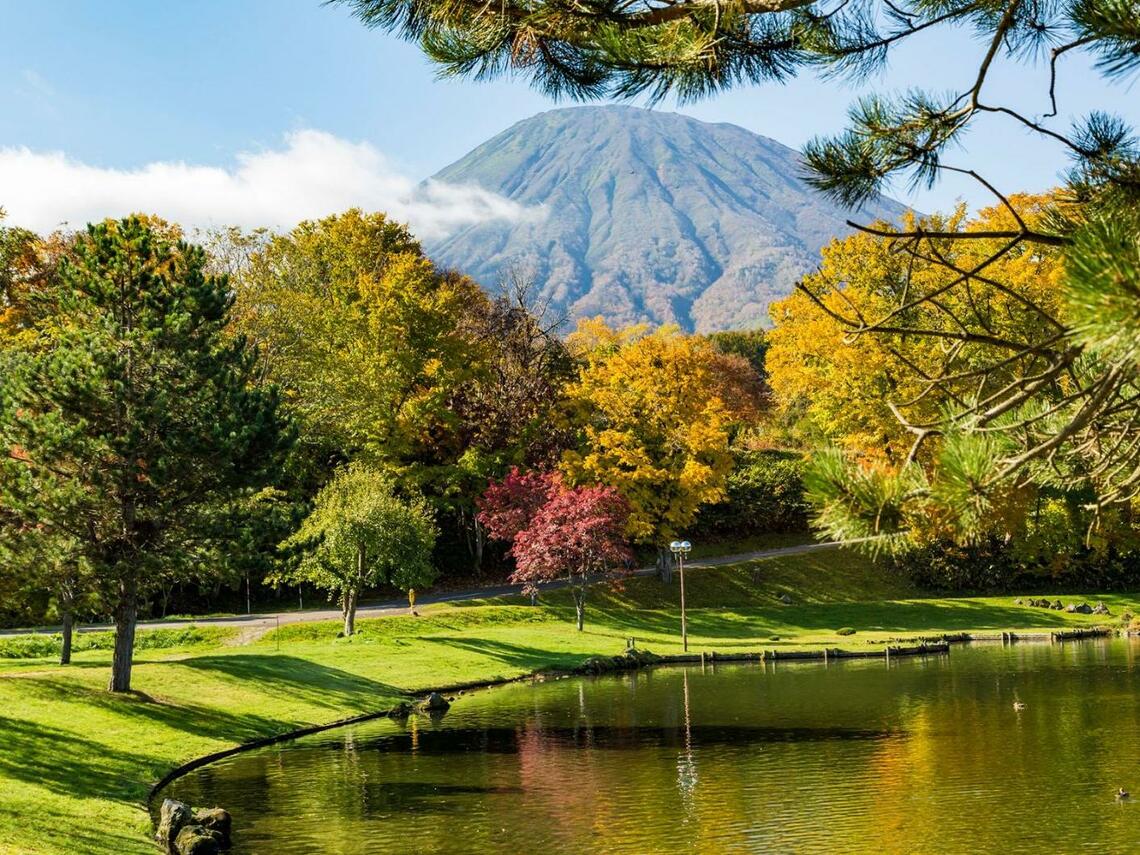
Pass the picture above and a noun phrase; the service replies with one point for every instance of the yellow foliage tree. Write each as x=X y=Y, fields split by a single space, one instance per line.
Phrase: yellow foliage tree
x=28 y=264
x=654 y=413
x=364 y=335
x=841 y=387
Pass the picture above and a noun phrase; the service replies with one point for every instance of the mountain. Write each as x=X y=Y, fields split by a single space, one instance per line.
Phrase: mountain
x=640 y=215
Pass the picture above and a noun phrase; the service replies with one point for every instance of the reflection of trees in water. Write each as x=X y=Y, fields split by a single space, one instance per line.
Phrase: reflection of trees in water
x=686 y=762
x=968 y=773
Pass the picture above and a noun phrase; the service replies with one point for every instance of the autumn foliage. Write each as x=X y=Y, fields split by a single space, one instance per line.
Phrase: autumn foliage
x=509 y=505
x=838 y=385
x=556 y=531
x=655 y=415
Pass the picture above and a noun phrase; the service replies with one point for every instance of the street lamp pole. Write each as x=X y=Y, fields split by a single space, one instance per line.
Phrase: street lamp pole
x=681 y=548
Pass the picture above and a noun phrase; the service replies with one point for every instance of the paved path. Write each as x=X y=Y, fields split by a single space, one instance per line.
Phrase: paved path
x=260 y=623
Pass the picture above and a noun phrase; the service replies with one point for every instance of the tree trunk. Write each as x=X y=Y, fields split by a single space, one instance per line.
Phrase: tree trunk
x=664 y=564
x=580 y=606
x=352 y=593
x=480 y=543
x=349 y=612
x=68 y=620
x=126 y=616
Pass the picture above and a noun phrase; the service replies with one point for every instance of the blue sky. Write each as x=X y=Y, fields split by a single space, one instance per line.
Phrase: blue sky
x=119 y=85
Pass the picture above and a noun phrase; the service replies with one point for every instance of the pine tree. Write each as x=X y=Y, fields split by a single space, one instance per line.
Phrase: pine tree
x=131 y=417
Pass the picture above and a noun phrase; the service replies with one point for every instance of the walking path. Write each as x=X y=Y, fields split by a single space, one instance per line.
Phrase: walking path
x=258 y=624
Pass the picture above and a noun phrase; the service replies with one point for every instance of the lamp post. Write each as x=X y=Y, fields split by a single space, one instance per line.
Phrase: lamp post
x=681 y=548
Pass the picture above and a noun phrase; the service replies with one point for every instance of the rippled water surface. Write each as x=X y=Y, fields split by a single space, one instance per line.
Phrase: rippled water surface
x=922 y=756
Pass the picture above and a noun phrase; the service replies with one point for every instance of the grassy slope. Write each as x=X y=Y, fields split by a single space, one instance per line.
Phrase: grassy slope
x=75 y=762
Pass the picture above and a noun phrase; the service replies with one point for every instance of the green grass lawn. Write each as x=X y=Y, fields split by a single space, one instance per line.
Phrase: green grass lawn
x=76 y=762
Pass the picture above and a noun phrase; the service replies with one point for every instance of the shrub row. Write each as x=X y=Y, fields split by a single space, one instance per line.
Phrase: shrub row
x=42 y=645
x=995 y=566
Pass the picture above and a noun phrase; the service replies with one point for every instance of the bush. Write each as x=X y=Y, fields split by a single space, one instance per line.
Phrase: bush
x=30 y=646
x=41 y=645
x=765 y=494
x=997 y=566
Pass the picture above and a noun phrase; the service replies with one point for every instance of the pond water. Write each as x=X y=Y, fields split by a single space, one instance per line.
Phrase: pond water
x=921 y=755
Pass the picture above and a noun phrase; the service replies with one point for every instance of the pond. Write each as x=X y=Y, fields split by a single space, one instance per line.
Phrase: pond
x=921 y=755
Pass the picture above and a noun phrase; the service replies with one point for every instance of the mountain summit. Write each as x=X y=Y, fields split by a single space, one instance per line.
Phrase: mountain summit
x=643 y=215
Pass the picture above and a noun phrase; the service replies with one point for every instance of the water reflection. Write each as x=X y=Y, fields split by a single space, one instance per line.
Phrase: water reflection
x=926 y=756
x=686 y=762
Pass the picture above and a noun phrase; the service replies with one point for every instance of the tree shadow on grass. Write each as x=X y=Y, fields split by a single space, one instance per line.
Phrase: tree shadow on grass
x=142 y=710
x=70 y=765
x=516 y=655
x=747 y=626
x=296 y=679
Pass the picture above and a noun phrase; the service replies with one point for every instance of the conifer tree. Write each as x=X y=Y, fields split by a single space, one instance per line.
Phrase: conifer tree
x=130 y=419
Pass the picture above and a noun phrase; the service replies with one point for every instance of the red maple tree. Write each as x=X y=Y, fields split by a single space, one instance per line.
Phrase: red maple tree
x=508 y=506
x=558 y=532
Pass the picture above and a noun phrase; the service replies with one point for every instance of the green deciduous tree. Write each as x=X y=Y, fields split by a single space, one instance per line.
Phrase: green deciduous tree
x=364 y=335
x=361 y=534
x=764 y=493
x=130 y=418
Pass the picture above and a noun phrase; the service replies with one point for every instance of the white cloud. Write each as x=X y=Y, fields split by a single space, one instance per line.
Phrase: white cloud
x=313 y=175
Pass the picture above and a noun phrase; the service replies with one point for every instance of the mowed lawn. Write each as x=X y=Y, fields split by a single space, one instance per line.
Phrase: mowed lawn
x=76 y=762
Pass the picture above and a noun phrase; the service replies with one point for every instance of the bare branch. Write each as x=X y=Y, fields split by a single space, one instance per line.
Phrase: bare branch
x=1029 y=235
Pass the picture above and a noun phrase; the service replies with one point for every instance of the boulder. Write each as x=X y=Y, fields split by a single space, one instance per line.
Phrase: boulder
x=627 y=661
x=435 y=702
x=1081 y=609
x=1057 y=606
x=1101 y=609
x=171 y=817
x=193 y=839
x=216 y=820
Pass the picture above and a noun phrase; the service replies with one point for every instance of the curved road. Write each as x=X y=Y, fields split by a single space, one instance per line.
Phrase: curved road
x=260 y=623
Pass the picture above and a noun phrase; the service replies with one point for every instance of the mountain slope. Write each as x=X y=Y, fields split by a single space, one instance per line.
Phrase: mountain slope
x=646 y=216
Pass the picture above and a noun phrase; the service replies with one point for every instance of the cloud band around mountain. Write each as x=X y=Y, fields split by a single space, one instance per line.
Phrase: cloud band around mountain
x=314 y=174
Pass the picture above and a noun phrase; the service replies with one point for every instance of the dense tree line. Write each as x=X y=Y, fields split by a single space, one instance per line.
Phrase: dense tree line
x=328 y=408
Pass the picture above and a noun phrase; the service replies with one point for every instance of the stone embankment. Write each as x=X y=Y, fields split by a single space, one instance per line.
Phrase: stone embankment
x=183 y=830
